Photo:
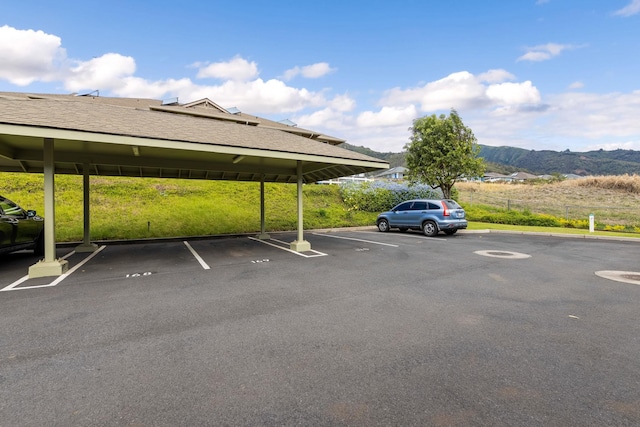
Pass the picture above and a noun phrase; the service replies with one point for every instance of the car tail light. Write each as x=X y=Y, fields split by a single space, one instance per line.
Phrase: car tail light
x=446 y=210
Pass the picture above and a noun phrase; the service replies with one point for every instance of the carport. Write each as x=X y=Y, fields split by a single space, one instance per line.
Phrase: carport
x=89 y=135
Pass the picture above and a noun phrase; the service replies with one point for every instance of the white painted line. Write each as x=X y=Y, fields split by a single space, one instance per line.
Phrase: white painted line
x=16 y=283
x=198 y=257
x=357 y=240
x=410 y=235
x=12 y=287
x=298 y=253
x=317 y=254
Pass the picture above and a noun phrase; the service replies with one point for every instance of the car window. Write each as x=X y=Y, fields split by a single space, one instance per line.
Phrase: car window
x=433 y=206
x=403 y=206
x=419 y=206
x=11 y=209
x=451 y=204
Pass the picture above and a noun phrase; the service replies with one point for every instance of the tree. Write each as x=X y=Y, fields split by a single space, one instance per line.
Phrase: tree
x=442 y=150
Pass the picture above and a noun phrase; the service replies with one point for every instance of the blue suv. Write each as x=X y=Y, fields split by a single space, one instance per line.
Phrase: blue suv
x=430 y=216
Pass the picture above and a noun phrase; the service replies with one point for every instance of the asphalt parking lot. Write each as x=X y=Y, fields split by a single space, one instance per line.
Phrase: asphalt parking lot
x=370 y=329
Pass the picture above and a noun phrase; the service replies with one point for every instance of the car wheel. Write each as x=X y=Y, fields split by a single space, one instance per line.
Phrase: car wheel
x=429 y=228
x=450 y=232
x=383 y=225
x=39 y=247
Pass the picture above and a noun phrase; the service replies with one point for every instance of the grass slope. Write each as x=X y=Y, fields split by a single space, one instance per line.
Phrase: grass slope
x=132 y=208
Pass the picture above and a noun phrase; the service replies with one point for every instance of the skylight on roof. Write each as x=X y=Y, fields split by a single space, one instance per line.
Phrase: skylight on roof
x=234 y=110
x=287 y=122
x=170 y=101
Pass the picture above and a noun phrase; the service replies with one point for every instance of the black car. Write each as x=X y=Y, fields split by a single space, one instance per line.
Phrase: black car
x=20 y=229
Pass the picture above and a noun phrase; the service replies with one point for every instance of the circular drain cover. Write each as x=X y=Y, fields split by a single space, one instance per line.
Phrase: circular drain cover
x=620 y=276
x=503 y=254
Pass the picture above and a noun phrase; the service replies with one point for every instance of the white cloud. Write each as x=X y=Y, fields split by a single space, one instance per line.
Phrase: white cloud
x=629 y=10
x=237 y=69
x=388 y=116
x=313 y=71
x=545 y=52
x=343 y=103
x=576 y=85
x=463 y=90
x=258 y=96
x=513 y=94
x=595 y=116
x=29 y=56
x=624 y=145
x=136 y=87
x=326 y=120
x=496 y=76
x=106 y=72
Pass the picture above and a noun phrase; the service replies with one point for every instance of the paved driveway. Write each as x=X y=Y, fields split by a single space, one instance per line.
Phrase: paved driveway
x=370 y=329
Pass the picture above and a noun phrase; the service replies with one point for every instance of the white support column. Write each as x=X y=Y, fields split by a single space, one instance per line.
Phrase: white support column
x=300 y=245
x=86 y=245
x=49 y=266
x=263 y=234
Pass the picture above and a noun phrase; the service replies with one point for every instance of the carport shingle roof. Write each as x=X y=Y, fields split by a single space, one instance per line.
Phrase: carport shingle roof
x=144 y=123
x=135 y=118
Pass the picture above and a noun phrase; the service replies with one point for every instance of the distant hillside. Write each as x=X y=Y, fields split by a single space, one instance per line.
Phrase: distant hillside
x=511 y=159
x=616 y=162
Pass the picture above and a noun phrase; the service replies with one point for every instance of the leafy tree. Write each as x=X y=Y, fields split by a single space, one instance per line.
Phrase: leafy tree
x=442 y=150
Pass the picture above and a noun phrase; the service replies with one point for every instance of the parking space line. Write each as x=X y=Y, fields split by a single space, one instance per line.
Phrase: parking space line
x=13 y=286
x=317 y=253
x=413 y=236
x=357 y=240
x=198 y=257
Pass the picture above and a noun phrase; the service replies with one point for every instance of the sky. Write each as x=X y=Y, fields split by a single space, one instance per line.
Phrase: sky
x=535 y=74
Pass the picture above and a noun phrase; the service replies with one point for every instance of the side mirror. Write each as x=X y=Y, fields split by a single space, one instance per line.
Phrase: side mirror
x=31 y=213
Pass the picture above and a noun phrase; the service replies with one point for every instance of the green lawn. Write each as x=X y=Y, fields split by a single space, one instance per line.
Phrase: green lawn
x=134 y=208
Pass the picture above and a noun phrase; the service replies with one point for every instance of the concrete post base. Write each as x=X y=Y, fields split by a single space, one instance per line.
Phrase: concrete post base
x=86 y=247
x=300 y=246
x=47 y=269
x=263 y=236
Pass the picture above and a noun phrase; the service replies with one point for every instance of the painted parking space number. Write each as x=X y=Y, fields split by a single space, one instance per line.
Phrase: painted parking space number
x=146 y=273
x=259 y=261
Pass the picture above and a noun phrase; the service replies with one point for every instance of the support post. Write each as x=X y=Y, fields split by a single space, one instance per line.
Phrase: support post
x=86 y=245
x=263 y=234
x=300 y=245
x=49 y=266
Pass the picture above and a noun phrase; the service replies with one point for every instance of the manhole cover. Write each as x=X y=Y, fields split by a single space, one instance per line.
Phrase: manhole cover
x=503 y=254
x=620 y=276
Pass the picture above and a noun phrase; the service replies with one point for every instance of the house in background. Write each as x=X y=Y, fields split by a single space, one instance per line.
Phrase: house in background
x=496 y=177
x=522 y=176
x=394 y=174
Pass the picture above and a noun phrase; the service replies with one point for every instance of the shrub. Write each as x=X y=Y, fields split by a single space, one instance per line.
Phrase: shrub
x=380 y=196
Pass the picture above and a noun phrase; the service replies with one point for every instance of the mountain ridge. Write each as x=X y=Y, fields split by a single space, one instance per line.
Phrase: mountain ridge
x=510 y=159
